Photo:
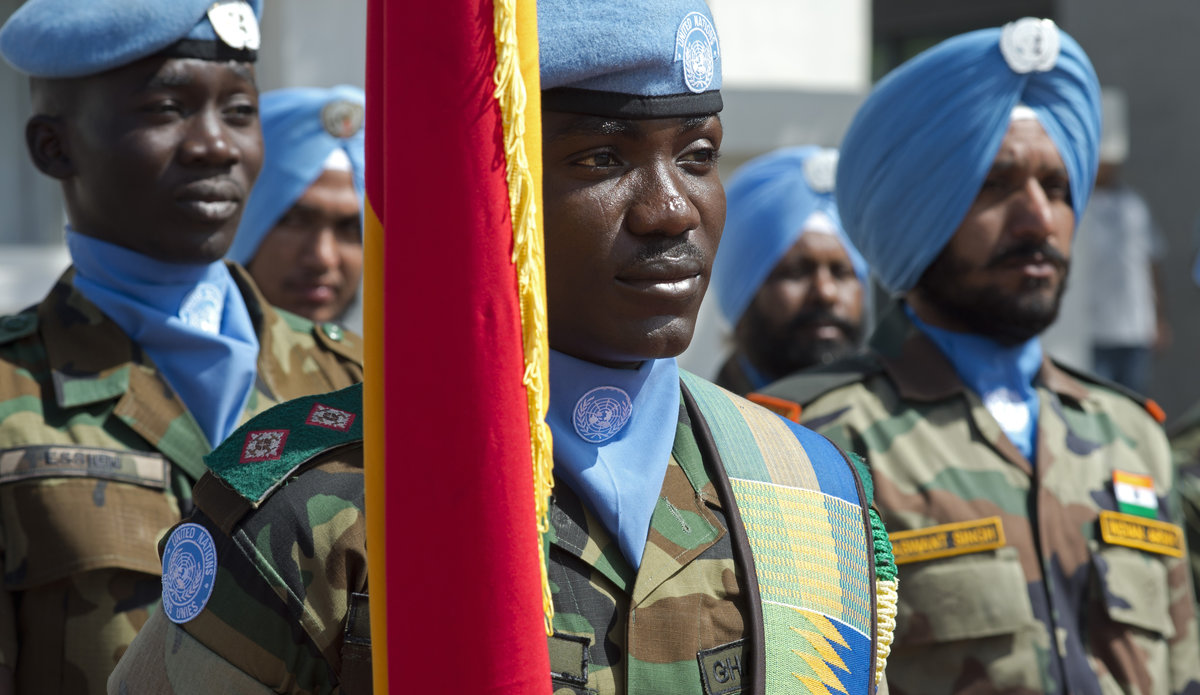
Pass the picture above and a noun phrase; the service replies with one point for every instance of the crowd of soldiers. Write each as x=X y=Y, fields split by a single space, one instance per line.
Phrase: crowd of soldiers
x=941 y=509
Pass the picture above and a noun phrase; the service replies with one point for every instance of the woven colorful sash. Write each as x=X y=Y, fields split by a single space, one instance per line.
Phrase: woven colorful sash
x=810 y=536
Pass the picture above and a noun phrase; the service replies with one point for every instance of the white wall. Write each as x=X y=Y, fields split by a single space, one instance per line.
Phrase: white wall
x=795 y=44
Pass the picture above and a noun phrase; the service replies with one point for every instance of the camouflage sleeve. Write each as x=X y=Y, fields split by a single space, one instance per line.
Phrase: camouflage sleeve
x=151 y=666
x=1185 y=449
x=285 y=577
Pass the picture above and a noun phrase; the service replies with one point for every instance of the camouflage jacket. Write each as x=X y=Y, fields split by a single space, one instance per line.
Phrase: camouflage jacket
x=733 y=377
x=1185 y=448
x=97 y=460
x=288 y=605
x=1017 y=578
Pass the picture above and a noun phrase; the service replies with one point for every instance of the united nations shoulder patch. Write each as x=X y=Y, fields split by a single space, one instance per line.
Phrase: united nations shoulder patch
x=189 y=572
x=697 y=47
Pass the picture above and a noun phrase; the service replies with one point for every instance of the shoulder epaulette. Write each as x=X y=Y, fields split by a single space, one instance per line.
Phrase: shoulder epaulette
x=1151 y=407
x=263 y=452
x=16 y=326
x=810 y=384
x=339 y=340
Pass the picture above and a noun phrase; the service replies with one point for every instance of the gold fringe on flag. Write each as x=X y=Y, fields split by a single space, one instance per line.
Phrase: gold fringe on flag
x=528 y=251
x=886 y=598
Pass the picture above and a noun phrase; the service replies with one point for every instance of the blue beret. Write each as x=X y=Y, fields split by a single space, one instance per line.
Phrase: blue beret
x=769 y=200
x=77 y=38
x=919 y=148
x=629 y=58
x=300 y=127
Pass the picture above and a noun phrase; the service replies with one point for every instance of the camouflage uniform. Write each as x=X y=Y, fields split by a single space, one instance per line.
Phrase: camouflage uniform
x=1008 y=585
x=1185 y=447
x=733 y=377
x=288 y=610
x=97 y=461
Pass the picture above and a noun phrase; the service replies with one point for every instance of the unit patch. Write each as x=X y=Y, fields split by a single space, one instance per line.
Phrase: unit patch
x=263 y=445
x=948 y=540
x=723 y=668
x=1144 y=534
x=138 y=467
x=189 y=567
x=330 y=418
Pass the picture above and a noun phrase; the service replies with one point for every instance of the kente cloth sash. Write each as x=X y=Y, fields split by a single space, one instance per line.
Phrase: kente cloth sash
x=806 y=523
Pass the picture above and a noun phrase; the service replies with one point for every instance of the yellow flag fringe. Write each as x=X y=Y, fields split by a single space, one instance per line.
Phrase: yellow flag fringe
x=529 y=257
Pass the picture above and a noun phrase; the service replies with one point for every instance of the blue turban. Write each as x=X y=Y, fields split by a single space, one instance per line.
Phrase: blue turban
x=300 y=127
x=769 y=200
x=922 y=144
x=629 y=58
x=77 y=38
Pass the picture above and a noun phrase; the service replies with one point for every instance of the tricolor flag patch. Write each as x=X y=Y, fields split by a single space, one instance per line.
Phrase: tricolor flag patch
x=1135 y=494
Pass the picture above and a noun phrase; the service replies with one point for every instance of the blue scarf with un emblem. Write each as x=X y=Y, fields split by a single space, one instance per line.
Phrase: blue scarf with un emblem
x=190 y=319
x=613 y=434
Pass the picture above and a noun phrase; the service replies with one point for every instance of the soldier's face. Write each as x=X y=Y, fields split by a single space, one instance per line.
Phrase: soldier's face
x=1004 y=270
x=634 y=213
x=311 y=261
x=808 y=310
x=163 y=154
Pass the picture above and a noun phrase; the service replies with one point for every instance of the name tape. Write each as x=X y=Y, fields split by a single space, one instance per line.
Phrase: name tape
x=138 y=467
x=1144 y=534
x=947 y=540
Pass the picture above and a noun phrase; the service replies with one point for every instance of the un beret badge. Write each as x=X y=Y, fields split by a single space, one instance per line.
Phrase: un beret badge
x=820 y=170
x=696 y=46
x=342 y=118
x=235 y=24
x=1030 y=45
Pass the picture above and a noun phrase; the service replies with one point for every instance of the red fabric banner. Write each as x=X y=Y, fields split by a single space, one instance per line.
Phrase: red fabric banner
x=456 y=583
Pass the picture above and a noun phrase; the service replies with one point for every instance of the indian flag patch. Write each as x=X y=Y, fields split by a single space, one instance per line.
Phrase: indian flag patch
x=1135 y=494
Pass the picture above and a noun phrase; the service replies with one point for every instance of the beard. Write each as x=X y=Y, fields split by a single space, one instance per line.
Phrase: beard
x=779 y=351
x=1006 y=317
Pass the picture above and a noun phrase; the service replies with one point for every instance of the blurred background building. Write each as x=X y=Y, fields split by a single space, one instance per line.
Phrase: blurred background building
x=795 y=70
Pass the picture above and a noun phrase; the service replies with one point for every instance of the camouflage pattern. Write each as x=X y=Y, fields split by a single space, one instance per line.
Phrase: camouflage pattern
x=1050 y=607
x=97 y=460
x=291 y=558
x=1185 y=448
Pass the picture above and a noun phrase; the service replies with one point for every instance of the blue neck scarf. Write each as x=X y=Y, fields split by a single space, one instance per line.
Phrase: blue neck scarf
x=190 y=319
x=1002 y=376
x=613 y=434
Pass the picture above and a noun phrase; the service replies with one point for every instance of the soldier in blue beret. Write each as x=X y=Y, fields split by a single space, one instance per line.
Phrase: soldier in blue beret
x=150 y=349
x=301 y=234
x=686 y=523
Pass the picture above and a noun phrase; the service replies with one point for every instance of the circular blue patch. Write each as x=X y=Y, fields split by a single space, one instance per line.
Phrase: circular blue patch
x=189 y=572
x=697 y=47
x=601 y=413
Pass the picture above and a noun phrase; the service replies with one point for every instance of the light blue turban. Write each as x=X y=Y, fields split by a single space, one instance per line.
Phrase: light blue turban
x=769 y=200
x=77 y=38
x=920 y=147
x=301 y=127
x=629 y=58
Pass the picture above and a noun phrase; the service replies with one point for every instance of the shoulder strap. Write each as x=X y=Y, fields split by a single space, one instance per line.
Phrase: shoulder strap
x=264 y=451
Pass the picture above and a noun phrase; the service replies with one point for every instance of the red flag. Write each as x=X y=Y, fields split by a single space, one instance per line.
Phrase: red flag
x=456 y=348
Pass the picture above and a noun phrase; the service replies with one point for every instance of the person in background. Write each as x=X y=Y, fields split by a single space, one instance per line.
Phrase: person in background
x=1031 y=508
x=149 y=350
x=301 y=234
x=788 y=281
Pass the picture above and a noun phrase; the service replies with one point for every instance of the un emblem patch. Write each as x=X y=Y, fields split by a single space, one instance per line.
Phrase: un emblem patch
x=189 y=572
x=601 y=413
x=697 y=47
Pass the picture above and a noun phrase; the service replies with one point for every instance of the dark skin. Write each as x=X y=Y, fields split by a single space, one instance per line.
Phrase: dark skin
x=808 y=310
x=157 y=156
x=634 y=211
x=1003 y=272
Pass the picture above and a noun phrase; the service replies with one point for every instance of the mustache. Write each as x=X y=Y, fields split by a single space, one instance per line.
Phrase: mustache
x=668 y=250
x=810 y=316
x=1028 y=249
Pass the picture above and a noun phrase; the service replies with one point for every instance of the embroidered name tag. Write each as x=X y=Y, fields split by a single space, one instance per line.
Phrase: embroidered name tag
x=569 y=658
x=948 y=540
x=723 y=668
x=1144 y=534
x=138 y=467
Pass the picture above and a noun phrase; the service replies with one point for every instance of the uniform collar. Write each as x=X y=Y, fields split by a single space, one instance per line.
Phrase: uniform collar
x=922 y=373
